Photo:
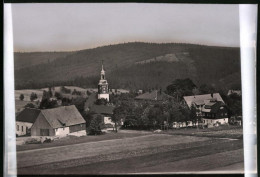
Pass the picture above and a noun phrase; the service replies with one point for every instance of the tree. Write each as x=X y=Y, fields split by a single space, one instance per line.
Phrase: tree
x=180 y=88
x=206 y=89
x=79 y=102
x=33 y=96
x=234 y=103
x=58 y=95
x=21 y=97
x=95 y=125
x=48 y=104
x=50 y=92
x=193 y=114
x=88 y=93
x=118 y=114
x=45 y=95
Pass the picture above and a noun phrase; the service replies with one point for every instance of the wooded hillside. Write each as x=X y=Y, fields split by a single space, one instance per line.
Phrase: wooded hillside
x=136 y=66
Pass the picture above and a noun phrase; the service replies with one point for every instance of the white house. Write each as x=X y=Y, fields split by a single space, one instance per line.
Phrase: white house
x=58 y=121
x=25 y=120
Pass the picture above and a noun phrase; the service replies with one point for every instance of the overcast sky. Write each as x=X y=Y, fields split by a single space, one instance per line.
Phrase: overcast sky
x=60 y=27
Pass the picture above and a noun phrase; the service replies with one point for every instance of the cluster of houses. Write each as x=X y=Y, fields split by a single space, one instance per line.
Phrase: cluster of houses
x=64 y=120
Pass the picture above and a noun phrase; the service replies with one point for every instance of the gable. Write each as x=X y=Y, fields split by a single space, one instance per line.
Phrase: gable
x=63 y=116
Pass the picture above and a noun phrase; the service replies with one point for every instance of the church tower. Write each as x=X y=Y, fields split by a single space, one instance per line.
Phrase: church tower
x=103 y=91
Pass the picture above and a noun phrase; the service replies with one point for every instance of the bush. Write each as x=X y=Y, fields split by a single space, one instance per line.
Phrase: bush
x=33 y=96
x=21 y=97
x=47 y=140
x=30 y=105
x=95 y=126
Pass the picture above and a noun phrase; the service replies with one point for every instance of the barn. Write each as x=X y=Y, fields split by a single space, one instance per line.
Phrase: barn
x=58 y=122
x=25 y=120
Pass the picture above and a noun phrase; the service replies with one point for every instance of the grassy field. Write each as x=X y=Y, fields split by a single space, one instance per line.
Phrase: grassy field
x=235 y=132
x=131 y=152
x=19 y=105
x=69 y=140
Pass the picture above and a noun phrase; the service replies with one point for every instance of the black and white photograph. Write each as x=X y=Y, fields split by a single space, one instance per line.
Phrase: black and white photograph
x=127 y=88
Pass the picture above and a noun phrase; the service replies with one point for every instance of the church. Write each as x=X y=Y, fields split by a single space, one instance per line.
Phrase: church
x=103 y=91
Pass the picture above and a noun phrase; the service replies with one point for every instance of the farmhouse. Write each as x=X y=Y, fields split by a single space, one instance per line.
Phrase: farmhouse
x=215 y=112
x=25 y=120
x=210 y=107
x=58 y=122
x=200 y=100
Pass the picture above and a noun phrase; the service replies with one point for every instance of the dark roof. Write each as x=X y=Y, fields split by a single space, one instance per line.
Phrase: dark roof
x=63 y=116
x=28 y=115
x=102 y=109
x=215 y=107
x=153 y=95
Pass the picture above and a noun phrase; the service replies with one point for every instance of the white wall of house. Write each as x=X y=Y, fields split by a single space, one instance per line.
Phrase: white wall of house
x=107 y=120
x=213 y=121
x=103 y=95
x=62 y=131
x=21 y=127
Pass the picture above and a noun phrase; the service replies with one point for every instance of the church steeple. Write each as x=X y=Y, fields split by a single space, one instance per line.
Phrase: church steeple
x=103 y=91
x=102 y=72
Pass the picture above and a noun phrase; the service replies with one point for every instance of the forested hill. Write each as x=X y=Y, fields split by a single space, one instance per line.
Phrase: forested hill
x=24 y=59
x=136 y=66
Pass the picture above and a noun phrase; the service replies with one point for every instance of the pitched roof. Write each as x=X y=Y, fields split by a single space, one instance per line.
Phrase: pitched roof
x=28 y=115
x=216 y=106
x=202 y=99
x=63 y=116
x=154 y=95
x=102 y=109
x=213 y=107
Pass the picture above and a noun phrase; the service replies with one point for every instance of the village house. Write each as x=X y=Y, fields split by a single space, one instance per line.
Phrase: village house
x=25 y=120
x=58 y=122
x=210 y=107
x=215 y=112
x=198 y=101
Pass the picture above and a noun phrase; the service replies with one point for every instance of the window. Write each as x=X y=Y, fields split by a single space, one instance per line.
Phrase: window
x=22 y=128
x=17 y=127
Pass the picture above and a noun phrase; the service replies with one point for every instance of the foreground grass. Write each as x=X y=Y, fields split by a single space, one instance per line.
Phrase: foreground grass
x=232 y=132
x=152 y=153
x=77 y=140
